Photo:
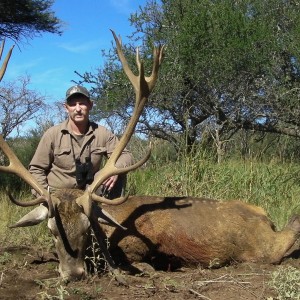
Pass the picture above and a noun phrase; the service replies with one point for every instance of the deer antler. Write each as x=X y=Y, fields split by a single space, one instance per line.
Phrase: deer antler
x=15 y=166
x=5 y=63
x=143 y=87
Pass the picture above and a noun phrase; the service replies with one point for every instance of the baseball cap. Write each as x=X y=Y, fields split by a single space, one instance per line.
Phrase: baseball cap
x=77 y=89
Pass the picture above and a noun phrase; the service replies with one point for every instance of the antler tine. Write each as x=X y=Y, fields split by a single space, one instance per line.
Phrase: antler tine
x=5 y=63
x=158 y=54
x=16 y=167
x=117 y=171
x=1 y=48
x=142 y=92
x=124 y=62
x=39 y=200
x=142 y=86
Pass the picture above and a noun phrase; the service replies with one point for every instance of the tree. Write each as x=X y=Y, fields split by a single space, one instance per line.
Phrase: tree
x=18 y=104
x=229 y=65
x=27 y=18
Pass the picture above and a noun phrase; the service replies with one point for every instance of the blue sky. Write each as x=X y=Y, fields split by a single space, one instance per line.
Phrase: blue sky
x=50 y=60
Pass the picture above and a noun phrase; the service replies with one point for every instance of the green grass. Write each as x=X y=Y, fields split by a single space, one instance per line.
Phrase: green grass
x=273 y=186
x=27 y=236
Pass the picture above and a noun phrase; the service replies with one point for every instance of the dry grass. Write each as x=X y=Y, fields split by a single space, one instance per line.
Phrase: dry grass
x=9 y=214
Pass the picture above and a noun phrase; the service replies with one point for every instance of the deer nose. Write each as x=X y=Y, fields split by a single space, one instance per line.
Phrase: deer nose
x=79 y=274
x=76 y=274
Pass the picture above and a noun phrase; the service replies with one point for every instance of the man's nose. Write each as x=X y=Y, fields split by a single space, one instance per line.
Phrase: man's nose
x=77 y=107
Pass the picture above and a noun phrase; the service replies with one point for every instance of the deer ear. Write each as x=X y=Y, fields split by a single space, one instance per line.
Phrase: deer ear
x=104 y=217
x=34 y=217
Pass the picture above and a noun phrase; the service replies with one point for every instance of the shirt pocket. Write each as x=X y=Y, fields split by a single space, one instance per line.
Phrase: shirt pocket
x=63 y=158
x=97 y=154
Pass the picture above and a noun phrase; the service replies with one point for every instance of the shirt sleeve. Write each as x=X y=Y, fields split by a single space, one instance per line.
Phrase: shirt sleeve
x=42 y=160
x=125 y=159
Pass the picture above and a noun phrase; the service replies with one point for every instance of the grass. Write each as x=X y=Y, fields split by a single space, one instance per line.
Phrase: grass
x=25 y=236
x=5 y=258
x=48 y=286
x=273 y=186
x=286 y=282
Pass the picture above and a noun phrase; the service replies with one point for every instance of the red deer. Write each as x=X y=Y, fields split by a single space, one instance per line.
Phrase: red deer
x=171 y=230
x=70 y=221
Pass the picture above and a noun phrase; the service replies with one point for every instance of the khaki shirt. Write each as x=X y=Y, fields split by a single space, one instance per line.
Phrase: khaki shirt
x=53 y=163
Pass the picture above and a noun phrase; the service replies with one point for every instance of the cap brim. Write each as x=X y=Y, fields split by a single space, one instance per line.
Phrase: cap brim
x=77 y=93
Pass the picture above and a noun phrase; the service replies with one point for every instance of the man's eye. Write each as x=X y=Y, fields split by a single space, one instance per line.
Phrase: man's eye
x=73 y=104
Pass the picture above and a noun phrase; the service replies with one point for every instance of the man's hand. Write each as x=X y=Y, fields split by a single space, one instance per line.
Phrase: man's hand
x=110 y=182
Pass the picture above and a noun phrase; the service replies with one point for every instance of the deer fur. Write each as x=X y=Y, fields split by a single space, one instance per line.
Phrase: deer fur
x=169 y=232
x=197 y=231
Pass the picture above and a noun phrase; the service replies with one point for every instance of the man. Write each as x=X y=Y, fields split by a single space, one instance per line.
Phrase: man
x=69 y=154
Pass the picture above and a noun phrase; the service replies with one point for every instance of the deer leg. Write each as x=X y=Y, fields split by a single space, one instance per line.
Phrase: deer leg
x=100 y=236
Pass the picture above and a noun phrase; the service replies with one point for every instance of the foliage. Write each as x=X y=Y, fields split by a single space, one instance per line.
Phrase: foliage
x=24 y=149
x=286 y=281
x=260 y=146
x=5 y=258
x=229 y=65
x=46 y=285
x=21 y=19
x=18 y=105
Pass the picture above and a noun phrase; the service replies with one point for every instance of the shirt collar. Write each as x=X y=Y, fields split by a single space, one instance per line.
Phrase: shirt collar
x=65 y=127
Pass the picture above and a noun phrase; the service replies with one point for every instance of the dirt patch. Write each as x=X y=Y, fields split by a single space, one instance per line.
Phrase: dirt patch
x=27 y=273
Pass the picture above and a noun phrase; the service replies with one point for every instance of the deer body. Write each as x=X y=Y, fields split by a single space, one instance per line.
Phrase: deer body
x=197 y=231
x=169 y=232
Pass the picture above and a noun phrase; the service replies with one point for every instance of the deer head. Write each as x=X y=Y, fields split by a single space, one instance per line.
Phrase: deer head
x=69 y=221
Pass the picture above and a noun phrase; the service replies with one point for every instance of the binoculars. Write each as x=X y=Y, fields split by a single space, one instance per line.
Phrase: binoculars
x=84 y=172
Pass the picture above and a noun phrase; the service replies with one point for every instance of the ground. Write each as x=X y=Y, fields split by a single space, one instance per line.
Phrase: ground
x=29 y=273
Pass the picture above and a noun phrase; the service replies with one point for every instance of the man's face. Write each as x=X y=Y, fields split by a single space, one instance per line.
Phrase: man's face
x=78 y=108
